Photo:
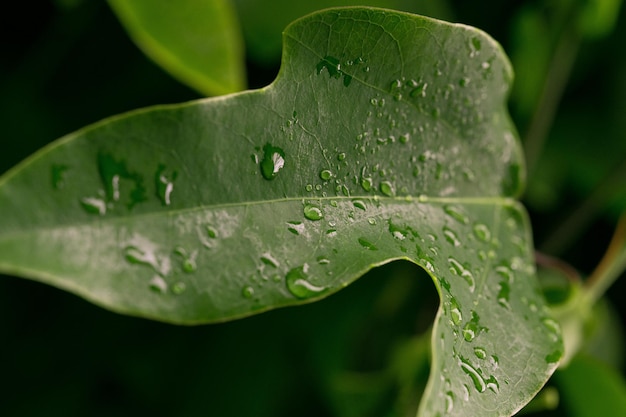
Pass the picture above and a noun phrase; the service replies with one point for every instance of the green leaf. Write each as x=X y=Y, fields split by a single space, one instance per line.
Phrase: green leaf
x=589 y=388
x=197 y=41
x=384 y=137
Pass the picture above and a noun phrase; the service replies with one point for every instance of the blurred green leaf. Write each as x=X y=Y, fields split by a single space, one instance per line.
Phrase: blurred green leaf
x=598 y=17
x=263 y=21
x=197 y=41
x=385 y=137
x=589 y=389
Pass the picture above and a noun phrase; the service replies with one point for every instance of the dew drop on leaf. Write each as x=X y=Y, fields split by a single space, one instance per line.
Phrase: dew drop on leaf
x=458 y=269
x=58 y=176
x=455 y=311
x=179 y=288
x=247 y=292
x=366 y=184
x=313 y=212
x=367 y=244
x=298 y=284
x=164 y=184
x=456 y=213
x=269 y=260
x=326 y=174
x=158 y=284
x=482 y=232
x=387 y=188
x=472 y=328
x=480 y=353
x=360 y=204
x=273 y=161
x=451 y=237
x=449 y=401
x=93 y=205
x=503 y=294
x=295 y=227
x=211 y=232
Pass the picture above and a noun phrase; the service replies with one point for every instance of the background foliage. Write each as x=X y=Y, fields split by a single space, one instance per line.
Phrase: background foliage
x=72 y=64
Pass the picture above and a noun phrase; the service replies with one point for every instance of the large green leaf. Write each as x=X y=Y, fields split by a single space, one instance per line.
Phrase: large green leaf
x=197 y=41
x=384 y=137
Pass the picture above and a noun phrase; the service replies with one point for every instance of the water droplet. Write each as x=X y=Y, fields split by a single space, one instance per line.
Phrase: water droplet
x=451 y=237
x=455 y=310
x=164 y=184
x=482 y=232
x=387 y=188
x=360 y=204
x=472 y=329
x=158 y=284
x=211 y=232
x=449 y=401
x=553 y=327
x=295 y=227
x=477 y=379
x=322 y=260
x=458 y=269
x=298 y=284
x=503 y=294
x=371 y=221
x=419 y=91
x=273 y=161
x=480 y=382
x=476 y=44
x=480 y=353
x=111 y=172
x=404 y=138
x=58 y=176
x=456 y=213
x=189 y=259
x=313 y=212
x=179 y=288
x=366 y=183
x=505 y=273
x=326 y=175
x=269 y=260
x=309 y=187
x=367 y=244
x=247 y=292
x=341 y=156
x=94 y=205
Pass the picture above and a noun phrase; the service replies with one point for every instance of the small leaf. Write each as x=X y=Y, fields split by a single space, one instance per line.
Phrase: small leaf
x=384 y=137
x=197 y=41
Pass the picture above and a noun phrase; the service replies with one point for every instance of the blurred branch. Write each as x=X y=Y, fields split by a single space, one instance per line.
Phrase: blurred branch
x=554 y=86
x=574 y=224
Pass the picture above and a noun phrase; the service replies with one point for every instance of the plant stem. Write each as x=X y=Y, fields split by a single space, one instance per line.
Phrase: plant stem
x=613 y=263
x=567 y=231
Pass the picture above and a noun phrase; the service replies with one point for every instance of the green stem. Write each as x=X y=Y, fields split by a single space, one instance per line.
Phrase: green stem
x=573 y=225
x=611 y=266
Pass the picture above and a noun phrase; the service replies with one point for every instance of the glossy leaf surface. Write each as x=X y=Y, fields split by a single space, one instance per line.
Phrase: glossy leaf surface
x=384 y=137
x=197 y=41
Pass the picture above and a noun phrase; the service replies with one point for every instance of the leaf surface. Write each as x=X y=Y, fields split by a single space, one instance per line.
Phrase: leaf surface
x=197 y=41
x=384 y=137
